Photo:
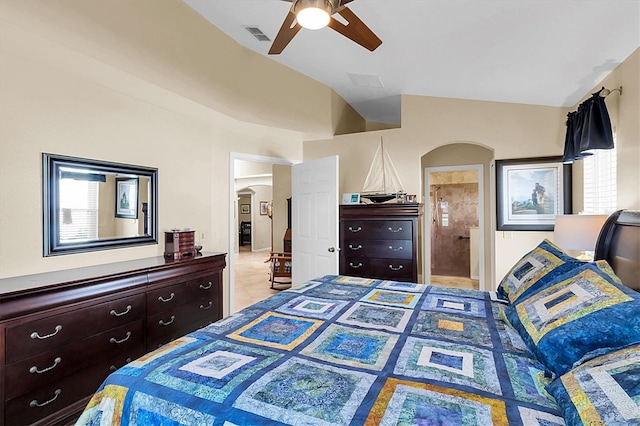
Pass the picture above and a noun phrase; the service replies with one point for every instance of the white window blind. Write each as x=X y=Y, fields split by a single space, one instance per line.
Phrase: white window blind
x=78 y=210
x=600 y=190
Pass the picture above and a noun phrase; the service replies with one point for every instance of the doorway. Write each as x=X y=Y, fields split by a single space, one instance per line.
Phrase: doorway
x=254 y=255
x=454 y=210
x=245 y=200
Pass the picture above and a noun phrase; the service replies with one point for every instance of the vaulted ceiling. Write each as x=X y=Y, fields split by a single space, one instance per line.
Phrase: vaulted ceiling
x=542 y=52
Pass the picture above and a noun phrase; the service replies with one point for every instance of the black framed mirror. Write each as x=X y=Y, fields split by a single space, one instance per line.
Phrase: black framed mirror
x=93 y=205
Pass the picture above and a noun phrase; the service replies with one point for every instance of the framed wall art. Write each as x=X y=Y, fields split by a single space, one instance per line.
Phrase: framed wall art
x=351 y=198
x=264 y=208
x=531 y=192
x=127 y=198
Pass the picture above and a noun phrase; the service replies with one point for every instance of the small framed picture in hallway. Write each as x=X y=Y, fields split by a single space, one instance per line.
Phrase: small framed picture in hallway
x=264 y=208
x=531 y=192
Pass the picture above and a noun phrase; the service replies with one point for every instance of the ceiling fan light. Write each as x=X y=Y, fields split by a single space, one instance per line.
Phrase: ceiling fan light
x=313 y=14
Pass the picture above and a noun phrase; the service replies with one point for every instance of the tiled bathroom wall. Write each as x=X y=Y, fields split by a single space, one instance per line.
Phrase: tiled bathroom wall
x=454 y=212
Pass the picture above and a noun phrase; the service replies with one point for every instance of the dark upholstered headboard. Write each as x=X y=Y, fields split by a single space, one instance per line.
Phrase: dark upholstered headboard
x=619 y=244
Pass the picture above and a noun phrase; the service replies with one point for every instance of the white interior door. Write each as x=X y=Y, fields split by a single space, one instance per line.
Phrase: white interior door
x=314 y=214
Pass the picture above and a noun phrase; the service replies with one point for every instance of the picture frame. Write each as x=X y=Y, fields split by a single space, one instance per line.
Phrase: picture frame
x=531 y=192
x=127 y=198
x=264 y=208
x=245 y=208
x=351 y=198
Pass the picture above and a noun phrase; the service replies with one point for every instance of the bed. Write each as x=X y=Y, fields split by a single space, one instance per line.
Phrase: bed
x=557 y=343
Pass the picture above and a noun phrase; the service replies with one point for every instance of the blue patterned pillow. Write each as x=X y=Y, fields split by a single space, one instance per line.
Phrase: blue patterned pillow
x=535 y=270
x=582 y=314
x=602 y=391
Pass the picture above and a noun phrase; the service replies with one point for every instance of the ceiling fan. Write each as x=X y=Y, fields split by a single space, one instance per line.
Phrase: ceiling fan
x=316 y=14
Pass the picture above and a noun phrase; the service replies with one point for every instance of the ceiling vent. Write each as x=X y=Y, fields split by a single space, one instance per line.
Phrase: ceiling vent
x=366 y=80
x=257 y=33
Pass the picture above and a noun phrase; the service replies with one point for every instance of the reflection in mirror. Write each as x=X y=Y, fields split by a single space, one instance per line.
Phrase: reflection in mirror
x=97 y=205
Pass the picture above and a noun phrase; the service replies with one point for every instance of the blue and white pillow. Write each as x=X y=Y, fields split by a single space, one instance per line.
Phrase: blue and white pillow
x=535 y=270
x=586 y=312
x=603 y=391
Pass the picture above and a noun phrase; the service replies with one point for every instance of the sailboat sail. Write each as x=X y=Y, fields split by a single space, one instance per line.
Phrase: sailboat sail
x=382 y=177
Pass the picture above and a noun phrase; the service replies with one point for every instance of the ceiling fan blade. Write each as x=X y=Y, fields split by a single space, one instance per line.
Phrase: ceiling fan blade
x=288 y=30
x=355 y=29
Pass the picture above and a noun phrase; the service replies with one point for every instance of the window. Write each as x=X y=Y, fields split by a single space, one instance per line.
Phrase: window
x=600 y=191
x=79 y=210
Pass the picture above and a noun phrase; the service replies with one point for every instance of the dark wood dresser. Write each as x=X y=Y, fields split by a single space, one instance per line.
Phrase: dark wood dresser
x=62 y=333
x=380 y=241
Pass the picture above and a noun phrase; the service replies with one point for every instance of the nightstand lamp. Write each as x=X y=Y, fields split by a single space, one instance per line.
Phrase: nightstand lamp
x=578 y=232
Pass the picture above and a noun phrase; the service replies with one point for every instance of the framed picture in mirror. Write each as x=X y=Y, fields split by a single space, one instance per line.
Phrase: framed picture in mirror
x=127 y=198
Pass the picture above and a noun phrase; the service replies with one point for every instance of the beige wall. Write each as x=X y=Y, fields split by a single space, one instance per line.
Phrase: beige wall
x=170 y=45
x=624 y=111
x=56 y=97
x=261 y=224
x=510 y=130
x=153 y=84
x=281 y=191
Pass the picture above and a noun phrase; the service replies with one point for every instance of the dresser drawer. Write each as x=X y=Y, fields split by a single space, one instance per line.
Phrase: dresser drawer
x=50 y=366
x=377 y=229
x=175 y=295
x=44 y=334
x=387 y=269
x=179 y=321
x=46 y=400
x=392 y=249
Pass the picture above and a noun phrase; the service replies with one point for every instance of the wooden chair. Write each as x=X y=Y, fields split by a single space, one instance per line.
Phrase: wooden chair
x=280 y=273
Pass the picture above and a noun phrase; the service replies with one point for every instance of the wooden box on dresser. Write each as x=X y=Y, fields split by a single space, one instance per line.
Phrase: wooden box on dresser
x=62 y=333
x=380 y=241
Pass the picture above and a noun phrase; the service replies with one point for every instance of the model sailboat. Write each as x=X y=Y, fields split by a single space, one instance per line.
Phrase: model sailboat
x=382 y=182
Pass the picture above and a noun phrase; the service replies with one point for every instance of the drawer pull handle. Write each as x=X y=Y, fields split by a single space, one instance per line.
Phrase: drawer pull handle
x=395 y=268
x=204 y=308
x=206 y=287
x=173 y=318
x=34 y=369
x=35 y=402
x=358 y=229
x=358 y=247
x=119 y=314
x=114 y=368
x=395 y=249
x=35 y=334
x=163 y=300
x=354 y=265
x=395 y=230
x=114 y=340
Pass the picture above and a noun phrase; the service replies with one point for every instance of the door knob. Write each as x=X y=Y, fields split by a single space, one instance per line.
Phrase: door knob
x=331 y=249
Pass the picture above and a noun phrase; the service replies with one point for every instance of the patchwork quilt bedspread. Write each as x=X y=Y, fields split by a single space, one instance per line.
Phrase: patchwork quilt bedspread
x=339 y=350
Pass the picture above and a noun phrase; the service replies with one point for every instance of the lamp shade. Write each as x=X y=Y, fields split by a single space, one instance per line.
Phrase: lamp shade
x=578 y=231
x=312 y=14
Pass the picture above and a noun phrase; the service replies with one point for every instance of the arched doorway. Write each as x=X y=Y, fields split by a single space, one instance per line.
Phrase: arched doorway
x=457 y=237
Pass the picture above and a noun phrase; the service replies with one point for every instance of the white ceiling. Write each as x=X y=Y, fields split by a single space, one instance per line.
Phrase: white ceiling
x=543 y=52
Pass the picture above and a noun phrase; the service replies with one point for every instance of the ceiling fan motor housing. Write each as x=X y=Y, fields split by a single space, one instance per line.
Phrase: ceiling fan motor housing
x=329 y=5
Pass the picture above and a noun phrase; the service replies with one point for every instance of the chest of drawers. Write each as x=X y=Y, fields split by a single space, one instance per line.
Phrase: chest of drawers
x=380 y=241
x=61 y=336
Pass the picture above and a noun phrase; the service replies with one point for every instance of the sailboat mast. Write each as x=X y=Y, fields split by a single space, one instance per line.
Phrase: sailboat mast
x=384 y=169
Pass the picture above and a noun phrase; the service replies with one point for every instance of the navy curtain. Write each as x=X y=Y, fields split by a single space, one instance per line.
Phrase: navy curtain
x=587 y=128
